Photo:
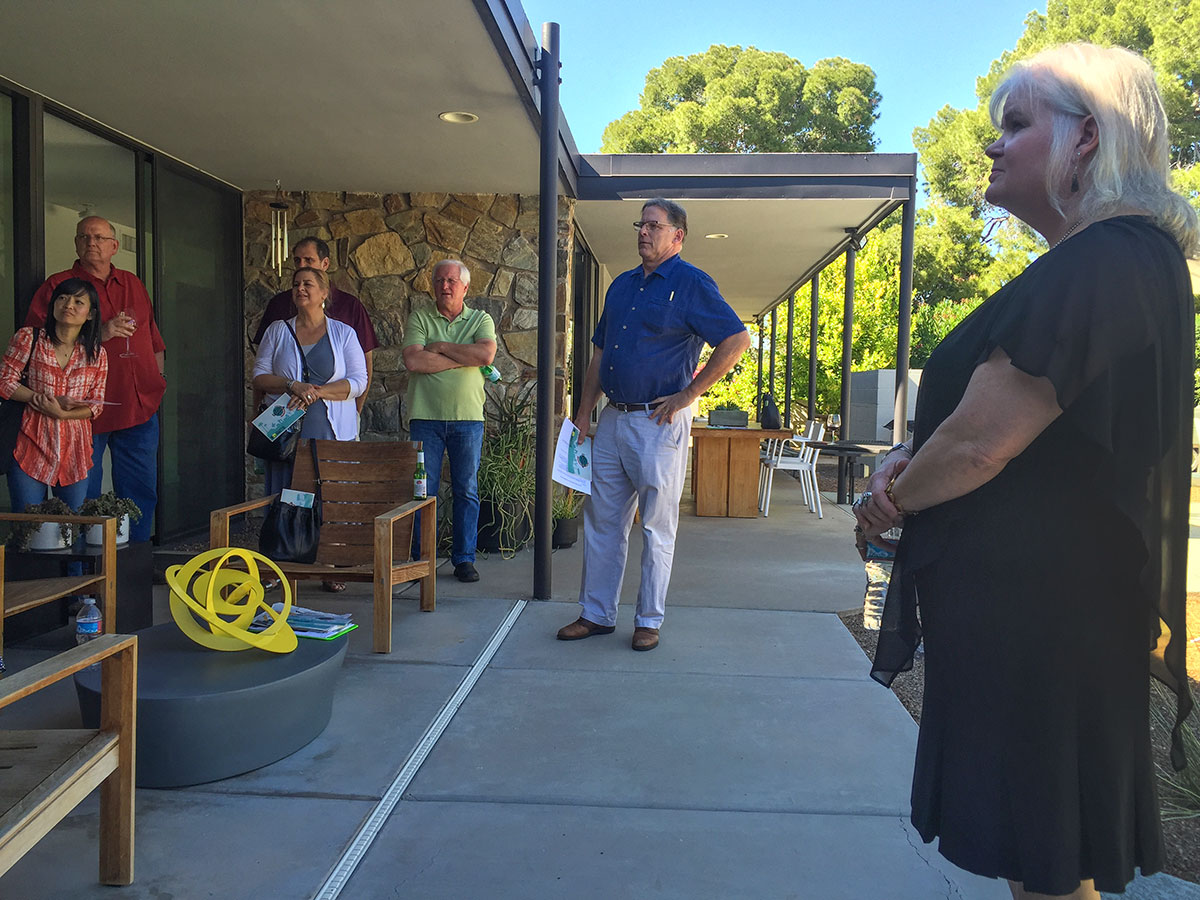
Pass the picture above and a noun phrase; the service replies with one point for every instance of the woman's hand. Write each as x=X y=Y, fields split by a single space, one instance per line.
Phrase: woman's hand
x=303 y=395
x=48 y=405
x=873 y=511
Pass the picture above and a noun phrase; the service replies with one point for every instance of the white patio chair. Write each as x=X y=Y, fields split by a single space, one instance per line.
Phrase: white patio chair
x=813 y=432
x=803 y=463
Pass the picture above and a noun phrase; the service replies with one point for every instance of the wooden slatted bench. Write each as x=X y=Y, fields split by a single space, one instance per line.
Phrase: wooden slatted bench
x=19 y=596
x=46 y=773
x=366 y=532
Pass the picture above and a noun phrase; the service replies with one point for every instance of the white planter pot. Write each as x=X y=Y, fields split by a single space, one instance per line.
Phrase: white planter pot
x=47 y=537
x=94 y=534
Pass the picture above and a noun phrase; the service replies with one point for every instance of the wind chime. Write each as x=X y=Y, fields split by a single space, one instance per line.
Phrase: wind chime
x=279 y=227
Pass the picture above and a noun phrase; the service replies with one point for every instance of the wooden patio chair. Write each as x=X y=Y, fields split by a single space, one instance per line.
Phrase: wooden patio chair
x=48 y=772
x=367 y=521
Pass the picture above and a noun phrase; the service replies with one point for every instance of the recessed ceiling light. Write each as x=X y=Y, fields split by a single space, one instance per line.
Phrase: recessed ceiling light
x=458 y=117
x=716 y=236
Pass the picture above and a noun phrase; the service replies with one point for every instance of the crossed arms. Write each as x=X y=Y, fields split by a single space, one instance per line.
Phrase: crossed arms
x=438 y=356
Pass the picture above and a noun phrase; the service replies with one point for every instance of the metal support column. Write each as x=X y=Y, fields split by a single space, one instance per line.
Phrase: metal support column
x=771 y=365
x=843 y=481
x=787 y=366
x=812 y=347
x=904 y=318
x=543 y=523
x=758 y=385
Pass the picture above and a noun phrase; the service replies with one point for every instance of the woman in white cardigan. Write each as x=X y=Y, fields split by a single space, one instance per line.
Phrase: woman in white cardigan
x=337 y=371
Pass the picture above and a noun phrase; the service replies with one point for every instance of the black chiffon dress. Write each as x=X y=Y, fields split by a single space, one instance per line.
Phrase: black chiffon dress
x=1040 y=593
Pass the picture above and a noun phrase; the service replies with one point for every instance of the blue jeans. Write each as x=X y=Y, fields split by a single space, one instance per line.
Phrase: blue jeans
x=25 y=490
x=134 y=470
x=462 y=441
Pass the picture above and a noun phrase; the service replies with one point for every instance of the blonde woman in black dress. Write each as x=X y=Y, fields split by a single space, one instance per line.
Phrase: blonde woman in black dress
x=1045 y=498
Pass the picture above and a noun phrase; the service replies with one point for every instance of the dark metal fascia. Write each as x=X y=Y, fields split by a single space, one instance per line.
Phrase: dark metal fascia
x=517 y=45
x=774 y=164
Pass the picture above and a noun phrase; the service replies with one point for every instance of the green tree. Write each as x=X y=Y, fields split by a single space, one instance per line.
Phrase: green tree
x=735 y=100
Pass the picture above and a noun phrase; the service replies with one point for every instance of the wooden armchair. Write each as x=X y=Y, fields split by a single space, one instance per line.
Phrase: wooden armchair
x=18 y=596
x=367 y=522
x=48 y=772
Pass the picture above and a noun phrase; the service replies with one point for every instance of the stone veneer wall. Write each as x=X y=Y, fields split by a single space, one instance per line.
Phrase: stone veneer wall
x=383 y=249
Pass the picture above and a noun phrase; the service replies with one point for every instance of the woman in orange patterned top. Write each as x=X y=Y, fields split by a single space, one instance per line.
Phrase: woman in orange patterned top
x=64 y=391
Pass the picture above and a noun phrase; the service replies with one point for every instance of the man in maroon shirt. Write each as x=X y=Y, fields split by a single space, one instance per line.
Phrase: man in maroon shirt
x=314 y=253
x=128 y=427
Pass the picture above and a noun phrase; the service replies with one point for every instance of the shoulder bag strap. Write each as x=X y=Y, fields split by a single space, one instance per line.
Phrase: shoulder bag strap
x=300 y=350
x=37 y=333
x=317 y=507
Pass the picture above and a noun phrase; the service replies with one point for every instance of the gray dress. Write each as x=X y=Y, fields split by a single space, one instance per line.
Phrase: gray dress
x=315 y=424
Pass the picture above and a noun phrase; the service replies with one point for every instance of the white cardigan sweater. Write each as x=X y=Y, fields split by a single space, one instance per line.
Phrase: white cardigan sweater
x=279 y=355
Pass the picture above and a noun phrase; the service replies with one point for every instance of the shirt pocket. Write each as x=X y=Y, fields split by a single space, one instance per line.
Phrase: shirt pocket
x=663 y=311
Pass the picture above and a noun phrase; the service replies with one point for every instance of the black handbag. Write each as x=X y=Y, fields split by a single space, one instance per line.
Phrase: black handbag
x=283 y=448
x=293 y=533
x=11 y=413
x=768 y=416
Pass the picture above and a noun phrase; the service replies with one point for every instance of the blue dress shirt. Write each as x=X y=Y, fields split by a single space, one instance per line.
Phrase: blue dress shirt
x=653 y=329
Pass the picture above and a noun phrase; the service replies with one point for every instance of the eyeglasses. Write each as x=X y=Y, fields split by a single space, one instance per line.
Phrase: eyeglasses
x=653 y=226
x=93 y=238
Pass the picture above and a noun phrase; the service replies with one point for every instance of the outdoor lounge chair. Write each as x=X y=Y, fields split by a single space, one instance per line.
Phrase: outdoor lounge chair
x=366 y=532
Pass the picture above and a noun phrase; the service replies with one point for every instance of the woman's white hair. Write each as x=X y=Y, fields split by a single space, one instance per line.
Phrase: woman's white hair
x=1131 y=165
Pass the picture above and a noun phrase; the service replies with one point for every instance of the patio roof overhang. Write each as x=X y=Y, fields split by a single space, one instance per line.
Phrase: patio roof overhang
x=787 y=215
x=255 y=92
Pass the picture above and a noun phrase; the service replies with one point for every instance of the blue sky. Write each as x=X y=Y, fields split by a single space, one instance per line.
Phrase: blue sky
x=925 y=54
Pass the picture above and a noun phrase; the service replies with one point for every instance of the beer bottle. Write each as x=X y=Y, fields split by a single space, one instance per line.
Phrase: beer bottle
x=419 y=491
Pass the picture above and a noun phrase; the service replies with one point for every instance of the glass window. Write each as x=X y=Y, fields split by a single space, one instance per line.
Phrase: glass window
x=87 y=175
x=8 y=283
x=199 y=315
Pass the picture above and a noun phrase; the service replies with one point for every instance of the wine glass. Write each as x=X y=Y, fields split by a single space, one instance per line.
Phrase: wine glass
x=835 y=423
x=130 y=320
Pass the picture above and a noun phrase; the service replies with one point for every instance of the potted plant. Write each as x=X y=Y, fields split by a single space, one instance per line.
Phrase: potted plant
x=507 y=471
x=728 y=415
x=45 y=535
x=109 y=504
x=567 y=510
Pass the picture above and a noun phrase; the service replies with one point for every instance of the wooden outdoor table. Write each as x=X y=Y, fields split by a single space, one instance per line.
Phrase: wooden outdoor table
x=725 y=468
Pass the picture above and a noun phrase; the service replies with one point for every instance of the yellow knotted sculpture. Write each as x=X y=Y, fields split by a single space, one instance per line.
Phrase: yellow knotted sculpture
x=229 y=592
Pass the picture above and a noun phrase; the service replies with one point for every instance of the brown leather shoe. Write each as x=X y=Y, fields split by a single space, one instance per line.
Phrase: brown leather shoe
x=645 y=638
x=582 y=628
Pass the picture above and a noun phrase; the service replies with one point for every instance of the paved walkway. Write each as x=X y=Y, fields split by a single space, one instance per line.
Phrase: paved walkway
x=749 y=756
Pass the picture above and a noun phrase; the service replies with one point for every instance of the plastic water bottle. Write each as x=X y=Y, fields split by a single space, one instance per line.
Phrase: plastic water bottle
x=419 y=489
x=491 y=373
x=89 y=623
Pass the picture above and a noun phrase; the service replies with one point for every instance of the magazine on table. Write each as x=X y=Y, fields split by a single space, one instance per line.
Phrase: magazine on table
x=308 y=623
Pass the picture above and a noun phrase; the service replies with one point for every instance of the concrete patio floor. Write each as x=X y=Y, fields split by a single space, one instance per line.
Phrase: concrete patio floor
x=749 y=756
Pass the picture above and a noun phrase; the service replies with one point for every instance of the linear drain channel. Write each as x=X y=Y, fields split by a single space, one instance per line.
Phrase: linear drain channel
x=379 y=815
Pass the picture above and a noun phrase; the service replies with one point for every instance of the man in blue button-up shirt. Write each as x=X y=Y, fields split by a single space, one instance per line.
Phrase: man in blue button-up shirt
x=656 y=319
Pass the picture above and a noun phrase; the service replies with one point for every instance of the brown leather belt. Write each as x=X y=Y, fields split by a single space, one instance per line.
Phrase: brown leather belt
x=633 y=407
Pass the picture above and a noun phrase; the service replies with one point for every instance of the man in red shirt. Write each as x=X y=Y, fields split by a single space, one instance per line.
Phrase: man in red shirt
x=345 y=307
x=128 y=427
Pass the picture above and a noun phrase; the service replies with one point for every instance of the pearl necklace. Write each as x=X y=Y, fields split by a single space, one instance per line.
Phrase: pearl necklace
x=1070 y=231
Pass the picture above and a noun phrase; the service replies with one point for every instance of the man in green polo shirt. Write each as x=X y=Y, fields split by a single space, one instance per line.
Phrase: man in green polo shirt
x=444 y=346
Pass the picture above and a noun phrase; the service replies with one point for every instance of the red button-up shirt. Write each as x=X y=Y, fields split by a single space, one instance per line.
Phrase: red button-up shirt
x=53 y=451
x=134 y=382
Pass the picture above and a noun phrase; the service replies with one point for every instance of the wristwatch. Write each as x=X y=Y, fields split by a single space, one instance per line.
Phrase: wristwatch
x=287 y=385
